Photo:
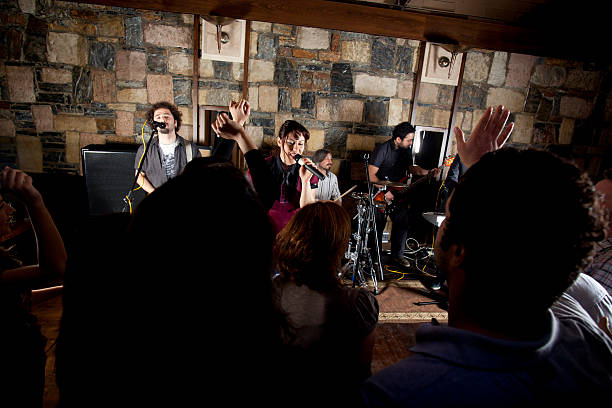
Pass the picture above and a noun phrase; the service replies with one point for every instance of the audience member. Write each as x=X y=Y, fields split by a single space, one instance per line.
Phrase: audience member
x=328 y=188
x=283 y=185
x=456 y=170
x=328 y=327
x=601 y=268
x=588 y=297
x=91 y=349
x=22 y=345
x=192 y=314
x=505 y=265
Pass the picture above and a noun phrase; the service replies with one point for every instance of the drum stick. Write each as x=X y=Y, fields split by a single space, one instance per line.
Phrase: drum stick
x=346 y=192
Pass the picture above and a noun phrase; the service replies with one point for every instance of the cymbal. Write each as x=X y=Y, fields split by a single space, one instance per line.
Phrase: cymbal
x=435 y=218
x=390 y=183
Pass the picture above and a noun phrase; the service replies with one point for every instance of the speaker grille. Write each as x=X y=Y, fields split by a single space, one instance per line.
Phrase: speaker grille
x=109 y=174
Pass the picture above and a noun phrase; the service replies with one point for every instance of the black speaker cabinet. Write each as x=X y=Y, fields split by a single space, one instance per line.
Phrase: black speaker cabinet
x=109 y=175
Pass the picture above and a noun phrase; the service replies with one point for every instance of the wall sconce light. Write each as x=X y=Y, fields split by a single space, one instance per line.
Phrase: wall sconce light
x=223 y=38
x=440 y=64
x=218 y=21
x=443 y=62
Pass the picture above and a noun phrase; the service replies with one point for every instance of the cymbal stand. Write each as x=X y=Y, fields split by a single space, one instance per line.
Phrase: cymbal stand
x=360 y=260
x=372 y=208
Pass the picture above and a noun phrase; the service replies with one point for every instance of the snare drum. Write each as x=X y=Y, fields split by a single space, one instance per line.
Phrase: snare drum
x=365 y=199
x=360 y=196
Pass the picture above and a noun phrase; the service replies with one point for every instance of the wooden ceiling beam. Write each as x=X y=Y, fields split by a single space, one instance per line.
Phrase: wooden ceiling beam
x=562 y=43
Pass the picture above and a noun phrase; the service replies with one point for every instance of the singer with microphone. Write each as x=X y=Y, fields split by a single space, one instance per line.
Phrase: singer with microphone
x=168 y=153
x=285 y=181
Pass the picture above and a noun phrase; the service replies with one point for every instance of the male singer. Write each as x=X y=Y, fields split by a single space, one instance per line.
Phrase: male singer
x=168 y=152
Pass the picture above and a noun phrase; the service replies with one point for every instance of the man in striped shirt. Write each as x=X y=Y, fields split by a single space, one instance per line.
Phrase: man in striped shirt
x=328 y=189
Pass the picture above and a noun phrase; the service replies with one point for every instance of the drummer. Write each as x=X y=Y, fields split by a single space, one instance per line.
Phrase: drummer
x=392 y=162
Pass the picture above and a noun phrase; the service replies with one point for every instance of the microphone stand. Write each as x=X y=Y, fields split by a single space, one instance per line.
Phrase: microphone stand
x=366 y=157
x=128 y=197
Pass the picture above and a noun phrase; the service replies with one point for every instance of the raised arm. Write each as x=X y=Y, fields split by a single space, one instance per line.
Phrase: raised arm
x=51 y=251
x=490 y=134
x=240 y=111
x=261 y=175
x=230 y=129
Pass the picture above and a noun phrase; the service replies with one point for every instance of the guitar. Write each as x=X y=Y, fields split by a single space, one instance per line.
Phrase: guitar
x=391 y=206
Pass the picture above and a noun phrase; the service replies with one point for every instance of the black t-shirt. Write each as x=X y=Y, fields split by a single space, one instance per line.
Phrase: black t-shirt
x=392 y=163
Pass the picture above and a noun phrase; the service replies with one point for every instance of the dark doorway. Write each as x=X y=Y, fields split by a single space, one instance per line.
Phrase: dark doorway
x=431 y=144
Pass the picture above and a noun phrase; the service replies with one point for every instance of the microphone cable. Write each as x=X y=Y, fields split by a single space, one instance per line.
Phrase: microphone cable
x=144 y=151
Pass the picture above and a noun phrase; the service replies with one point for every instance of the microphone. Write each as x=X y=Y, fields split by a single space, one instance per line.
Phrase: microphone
x=156 y=125
x=299 y=158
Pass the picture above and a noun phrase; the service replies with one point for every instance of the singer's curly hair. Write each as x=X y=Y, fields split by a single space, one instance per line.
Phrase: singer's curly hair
x=171 y=107
x=309 y=250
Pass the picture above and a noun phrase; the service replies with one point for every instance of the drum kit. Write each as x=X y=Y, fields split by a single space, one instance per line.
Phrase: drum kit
x=358 y=253
x=362 y=263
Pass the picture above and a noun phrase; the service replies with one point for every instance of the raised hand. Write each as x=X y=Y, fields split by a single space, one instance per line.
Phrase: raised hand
x=226 y=127
x=19 y=184
x=230 y=129
x=490 y=134
x=240 y=111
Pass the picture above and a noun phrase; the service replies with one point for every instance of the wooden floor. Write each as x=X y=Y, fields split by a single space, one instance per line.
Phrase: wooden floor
x=399 y=318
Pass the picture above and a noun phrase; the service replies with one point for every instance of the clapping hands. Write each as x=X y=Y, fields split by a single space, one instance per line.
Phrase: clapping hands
x=240 y=111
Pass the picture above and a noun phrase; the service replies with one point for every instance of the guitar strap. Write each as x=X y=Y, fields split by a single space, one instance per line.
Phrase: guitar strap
x=188 y=150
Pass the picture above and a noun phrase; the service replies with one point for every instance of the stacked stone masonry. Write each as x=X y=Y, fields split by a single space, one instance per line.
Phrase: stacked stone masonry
x=74 y=74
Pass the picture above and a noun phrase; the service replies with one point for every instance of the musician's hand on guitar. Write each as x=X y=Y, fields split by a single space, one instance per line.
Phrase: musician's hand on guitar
x=435 y=172
x=389 y=196
x=489 y=135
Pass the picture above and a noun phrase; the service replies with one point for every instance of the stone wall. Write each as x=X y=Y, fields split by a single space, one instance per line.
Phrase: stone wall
x=73 y=74
x=348 y=89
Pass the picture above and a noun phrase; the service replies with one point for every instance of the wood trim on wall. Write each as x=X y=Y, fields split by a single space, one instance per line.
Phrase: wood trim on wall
x=195 y=88
x=239 y=160
x=454 y=107
x=417 y=85
x=539 y=40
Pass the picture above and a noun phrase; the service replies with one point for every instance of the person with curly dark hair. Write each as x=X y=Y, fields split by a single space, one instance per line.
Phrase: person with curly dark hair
x=168 y=152
x=328 y=327
x=519 y=227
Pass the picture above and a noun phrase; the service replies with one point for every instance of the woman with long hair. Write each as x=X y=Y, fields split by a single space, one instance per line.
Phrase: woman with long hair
x=328 y=327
